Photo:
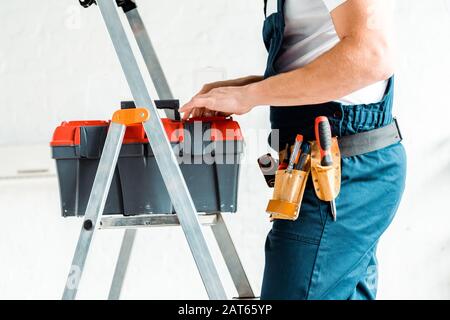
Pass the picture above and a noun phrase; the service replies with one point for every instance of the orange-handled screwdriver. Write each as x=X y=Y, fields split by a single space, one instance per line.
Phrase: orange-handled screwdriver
x=324 y=140
x=295 y=153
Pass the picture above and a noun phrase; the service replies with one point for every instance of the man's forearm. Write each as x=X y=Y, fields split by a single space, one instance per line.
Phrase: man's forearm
x=239 y=82
x=249 y=80
x=347 y=67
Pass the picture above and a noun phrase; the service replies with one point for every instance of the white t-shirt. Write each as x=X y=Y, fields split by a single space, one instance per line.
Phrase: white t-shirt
x=309 y=33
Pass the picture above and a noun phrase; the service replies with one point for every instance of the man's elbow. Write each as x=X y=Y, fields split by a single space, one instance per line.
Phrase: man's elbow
x=380 y=62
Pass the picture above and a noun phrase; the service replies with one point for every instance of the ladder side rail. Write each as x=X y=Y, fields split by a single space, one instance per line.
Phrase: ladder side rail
x=164 y=155
x=95 y=206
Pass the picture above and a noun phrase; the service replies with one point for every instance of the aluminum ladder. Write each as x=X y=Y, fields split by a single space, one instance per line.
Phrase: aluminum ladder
x=186 y=214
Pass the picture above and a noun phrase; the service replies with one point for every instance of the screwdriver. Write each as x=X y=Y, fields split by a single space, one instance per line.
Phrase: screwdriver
x=303 y=157
x=323 y=138
x=295 y=153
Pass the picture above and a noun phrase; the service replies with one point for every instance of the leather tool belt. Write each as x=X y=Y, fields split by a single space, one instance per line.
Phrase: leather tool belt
x=289 y=187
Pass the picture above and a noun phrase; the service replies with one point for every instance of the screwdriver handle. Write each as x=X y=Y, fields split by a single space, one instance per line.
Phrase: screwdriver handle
x=303 y=157
x=295 y=153
x=323 y=138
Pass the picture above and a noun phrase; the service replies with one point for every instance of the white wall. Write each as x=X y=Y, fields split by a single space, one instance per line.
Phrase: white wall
x=57 y=63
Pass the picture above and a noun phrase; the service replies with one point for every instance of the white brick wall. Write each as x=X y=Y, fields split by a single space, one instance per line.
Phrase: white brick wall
x=57 y=63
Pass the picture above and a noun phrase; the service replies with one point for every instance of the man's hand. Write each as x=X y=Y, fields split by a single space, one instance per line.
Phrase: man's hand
x=220 y=101
x=222 y=98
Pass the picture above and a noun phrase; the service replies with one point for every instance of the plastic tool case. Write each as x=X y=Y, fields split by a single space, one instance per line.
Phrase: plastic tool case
x=208 y=150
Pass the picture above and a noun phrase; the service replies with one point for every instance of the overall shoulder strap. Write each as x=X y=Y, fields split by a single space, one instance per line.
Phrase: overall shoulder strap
x=280 y=6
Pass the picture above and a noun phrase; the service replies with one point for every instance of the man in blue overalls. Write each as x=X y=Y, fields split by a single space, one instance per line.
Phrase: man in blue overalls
x=330 y=58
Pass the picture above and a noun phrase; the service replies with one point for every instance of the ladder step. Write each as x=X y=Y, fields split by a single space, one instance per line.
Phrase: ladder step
x=150 y=221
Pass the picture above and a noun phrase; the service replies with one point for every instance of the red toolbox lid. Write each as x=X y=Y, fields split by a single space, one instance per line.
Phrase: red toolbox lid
x=224 y=129
x=221 y=128
x=136 y=133
x=68 y=133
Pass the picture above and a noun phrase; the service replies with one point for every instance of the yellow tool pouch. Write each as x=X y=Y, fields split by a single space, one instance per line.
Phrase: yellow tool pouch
x=290 y=187
x=288 y=194
x=327 y=180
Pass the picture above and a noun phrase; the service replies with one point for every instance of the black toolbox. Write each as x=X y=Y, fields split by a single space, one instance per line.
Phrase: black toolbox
x=208 y=150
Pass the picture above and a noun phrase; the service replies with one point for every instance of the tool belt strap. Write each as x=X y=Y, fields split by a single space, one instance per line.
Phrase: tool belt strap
x=369 y=141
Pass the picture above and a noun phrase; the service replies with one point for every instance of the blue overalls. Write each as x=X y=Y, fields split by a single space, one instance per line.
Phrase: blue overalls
x=314 y=257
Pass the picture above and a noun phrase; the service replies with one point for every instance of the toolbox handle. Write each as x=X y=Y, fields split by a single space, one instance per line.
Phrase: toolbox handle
x=127 y=105
x=169 y=105
x=160 y=104
x=175 y=105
